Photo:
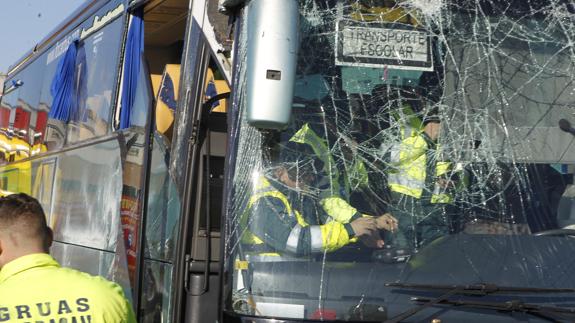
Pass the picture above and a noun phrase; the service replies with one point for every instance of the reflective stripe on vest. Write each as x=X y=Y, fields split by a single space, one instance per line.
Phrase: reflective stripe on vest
x=316 y=238
x=293 y=239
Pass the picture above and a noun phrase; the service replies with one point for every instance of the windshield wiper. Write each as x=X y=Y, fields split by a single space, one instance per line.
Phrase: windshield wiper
x=482 y=289
x=508 y=306
x=474 y=289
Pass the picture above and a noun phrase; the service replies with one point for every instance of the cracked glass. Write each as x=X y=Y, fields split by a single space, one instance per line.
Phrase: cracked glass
x=430 y=143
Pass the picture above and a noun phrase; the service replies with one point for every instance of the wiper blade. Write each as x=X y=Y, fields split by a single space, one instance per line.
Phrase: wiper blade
x=474 y=289
x=415 y=310
x=482 y=289
x=508 y=306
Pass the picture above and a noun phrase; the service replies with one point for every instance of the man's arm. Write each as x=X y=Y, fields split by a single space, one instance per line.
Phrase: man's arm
x=280 y=230
x=270 y=221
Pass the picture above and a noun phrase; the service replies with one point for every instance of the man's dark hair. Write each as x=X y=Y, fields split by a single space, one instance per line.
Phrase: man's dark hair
x=24 y=213
x=431 y=116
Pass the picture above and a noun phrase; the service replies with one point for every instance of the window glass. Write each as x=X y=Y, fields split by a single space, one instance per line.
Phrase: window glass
x=93 y=261
x=163 y=208
x=430 y=142
x=9 y=103
x=86 y=197
x=51 y=132
x=156 y=298
x=28 y=100
x=16 y=178
x=97 y=63
x=142 y=101
x=23 y=116
x=133 y=145
x=163 y=214
x=30 y=116
x=95 y=83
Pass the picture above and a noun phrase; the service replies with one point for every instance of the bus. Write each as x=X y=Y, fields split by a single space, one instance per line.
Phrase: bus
x=215 y=158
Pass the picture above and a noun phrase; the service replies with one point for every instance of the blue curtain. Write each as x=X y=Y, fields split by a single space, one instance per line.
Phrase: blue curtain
x=62 y=87
x=132 y=61
x=78 y=112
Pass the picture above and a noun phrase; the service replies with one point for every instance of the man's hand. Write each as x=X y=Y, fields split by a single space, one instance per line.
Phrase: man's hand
x=445 y=183
x=386 y=222
x=364 y=226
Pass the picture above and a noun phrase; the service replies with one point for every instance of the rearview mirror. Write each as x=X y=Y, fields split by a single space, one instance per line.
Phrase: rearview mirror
x=272 y=46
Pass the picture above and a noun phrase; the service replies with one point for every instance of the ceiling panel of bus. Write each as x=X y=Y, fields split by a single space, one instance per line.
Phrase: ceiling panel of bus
x=165 y=22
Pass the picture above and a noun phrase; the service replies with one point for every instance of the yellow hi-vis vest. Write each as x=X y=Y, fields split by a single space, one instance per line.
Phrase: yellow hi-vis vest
x=305 y=135
x=34 y=288
x=356 y=176
x=326 y=237
x=409 y=160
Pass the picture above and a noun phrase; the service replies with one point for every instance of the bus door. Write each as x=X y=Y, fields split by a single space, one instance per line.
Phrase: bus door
x=179 y=257
x=202 y=258
x=199 y=152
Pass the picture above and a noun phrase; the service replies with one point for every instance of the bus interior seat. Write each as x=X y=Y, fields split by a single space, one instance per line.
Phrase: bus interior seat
x=215 y=85
x=156 y=81
x=167 y=97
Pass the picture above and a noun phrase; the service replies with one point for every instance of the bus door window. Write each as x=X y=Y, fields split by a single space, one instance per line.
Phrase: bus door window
x=133 y=143
x=164 y=31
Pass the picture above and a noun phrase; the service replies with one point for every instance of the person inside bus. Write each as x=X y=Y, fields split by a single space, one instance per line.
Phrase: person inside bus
x=345 y=173
x=284 y=218
x=33 y=286
x=420 y=183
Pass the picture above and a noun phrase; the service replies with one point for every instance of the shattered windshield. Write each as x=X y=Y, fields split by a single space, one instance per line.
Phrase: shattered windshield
x=431 y=141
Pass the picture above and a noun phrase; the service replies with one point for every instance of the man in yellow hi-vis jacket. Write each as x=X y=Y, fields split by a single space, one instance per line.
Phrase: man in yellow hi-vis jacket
x=33 y=286
x=284 y=219
x=419 y=181
x=336 y=188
